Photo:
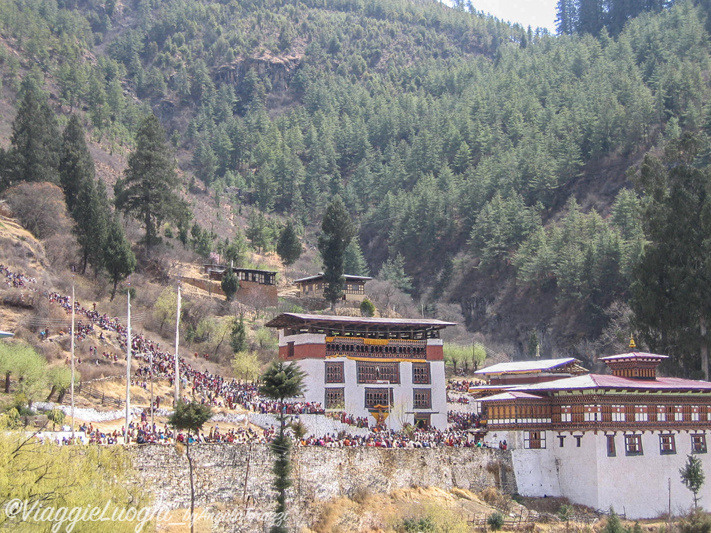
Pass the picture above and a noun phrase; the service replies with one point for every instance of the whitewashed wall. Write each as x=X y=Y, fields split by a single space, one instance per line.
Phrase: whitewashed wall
x=637 y=485
x=402 y=406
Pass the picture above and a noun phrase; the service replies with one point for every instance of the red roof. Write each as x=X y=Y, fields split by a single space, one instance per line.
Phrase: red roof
x=604 y=381
x=635 y=356
x=298 y=319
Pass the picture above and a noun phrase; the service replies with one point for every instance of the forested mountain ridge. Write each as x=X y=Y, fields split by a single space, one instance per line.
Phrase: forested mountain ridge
x=464 y=147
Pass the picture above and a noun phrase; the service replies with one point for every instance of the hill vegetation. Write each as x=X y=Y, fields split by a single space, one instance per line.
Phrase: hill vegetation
x=485 y=164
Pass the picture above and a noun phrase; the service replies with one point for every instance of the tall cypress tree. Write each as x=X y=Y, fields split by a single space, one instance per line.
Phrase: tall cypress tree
x=590 y=16
x=288 y=245
x=279 y=382
x=91 y=215
x=75 y=162
x=148 y=190
x=354 y=262
x=338 y=230
x=119 y=259
x=671 y=295
x=35 y=138
x=566 y=20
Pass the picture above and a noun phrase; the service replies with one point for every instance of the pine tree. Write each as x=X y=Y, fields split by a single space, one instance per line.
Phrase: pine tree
x=288 y=246
x=279 y=382
x=91 y=215
x=692 y=475
x=234 y=252
x=229 y=283
x=338 y=230
x=590 y=16
x=354 y=262
x=35 y=138
x=671 y=295
x=238 y=335
x=191 y=416
x=566 y=19
x=148 y=190
x=394 y=271
x=75 y=163
x=205 y=162
x=119 y=259
x=257 y=231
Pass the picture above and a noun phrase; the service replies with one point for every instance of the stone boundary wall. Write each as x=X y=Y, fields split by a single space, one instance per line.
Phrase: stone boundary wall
x=223 y=470
x=249 y=292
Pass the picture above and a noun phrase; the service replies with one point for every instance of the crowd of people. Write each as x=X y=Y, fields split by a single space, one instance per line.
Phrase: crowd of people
x=352 y=420
x=217 y=391
x=459 y=385
x=460 y=420
x=15 y=279
x=420 y=438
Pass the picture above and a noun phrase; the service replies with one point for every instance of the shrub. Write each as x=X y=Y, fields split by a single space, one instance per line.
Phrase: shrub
x=697 y=521
x=495 y=521
x=367 y=308
x=421 y=525
x=614 y=525
x=565 y=512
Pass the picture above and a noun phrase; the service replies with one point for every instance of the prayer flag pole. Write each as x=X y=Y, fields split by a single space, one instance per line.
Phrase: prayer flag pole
x=177 y=341
x=128 y=366
x=72 y=377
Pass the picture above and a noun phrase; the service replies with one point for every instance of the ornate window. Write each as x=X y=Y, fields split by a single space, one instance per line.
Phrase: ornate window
x=592 y=413
x=640 y=413
x=667 y=444
x=335 y=398
x=380 y=397
x=678 y=413
x=421 y=374
x=566 y=413
x=618 y=413
x=534 y=440
x=633 y=444
x=661 y=413
x=695 y=413
x=334 y=372
x=422 y=398
x=698 y=443
x=372 y=372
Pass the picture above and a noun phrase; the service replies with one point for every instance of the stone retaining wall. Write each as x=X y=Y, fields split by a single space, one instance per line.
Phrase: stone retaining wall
x=228 y=473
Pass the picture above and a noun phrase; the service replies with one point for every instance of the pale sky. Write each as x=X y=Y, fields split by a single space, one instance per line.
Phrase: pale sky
x=534 y=13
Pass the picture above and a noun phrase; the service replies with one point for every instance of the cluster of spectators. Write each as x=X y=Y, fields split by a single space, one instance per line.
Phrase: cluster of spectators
x=220 y=392
x=459 y=420
x=387 y=439
x=459 y=385
x=351 y=420
x=14 y=279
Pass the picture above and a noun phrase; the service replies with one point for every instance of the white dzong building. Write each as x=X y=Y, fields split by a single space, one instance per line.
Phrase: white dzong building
x=613 y=440
x=388 y=370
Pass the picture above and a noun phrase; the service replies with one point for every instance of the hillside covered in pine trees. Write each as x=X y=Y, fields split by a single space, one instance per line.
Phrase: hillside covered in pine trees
x=517 y=181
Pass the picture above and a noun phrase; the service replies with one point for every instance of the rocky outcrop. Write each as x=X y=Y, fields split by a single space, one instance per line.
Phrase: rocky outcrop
x=279 y=70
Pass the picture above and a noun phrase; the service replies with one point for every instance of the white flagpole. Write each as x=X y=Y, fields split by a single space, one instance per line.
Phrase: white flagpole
x=152 y=404
x=72 y=378
x=177 y=356
x=128 y=366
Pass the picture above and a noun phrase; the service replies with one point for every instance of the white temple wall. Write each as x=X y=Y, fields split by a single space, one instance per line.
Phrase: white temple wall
x=639 y=485
x=402 y=405
x=635 y=485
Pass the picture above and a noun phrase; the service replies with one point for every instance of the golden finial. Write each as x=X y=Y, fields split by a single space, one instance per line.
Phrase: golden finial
x=632 y=343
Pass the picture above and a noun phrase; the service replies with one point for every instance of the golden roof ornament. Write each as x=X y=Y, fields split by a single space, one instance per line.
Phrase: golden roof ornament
x=633 y=346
